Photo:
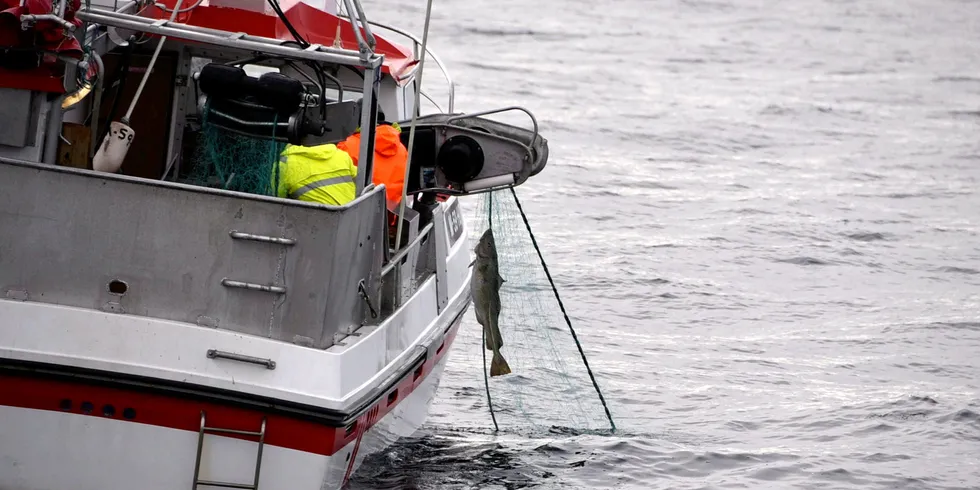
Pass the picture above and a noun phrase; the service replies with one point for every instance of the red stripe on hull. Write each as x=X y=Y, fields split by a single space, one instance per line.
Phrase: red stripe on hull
x=127 y=405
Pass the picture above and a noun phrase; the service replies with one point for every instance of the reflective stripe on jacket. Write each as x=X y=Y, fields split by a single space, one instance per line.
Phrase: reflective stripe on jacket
x=390 y=158
x=322 y=174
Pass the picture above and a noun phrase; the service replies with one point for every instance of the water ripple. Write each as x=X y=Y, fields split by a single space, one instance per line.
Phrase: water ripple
x=763 y=220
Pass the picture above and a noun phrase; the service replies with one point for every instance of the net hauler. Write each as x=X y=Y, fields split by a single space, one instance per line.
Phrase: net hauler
x=170 y=316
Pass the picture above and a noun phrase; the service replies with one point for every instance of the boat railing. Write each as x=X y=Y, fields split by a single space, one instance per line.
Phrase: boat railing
x=398 y=257
x=237 y=40
x=416 y=46
x=410 y=267
x=133 y=21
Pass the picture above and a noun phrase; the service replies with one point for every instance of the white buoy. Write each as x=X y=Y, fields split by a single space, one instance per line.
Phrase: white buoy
x=114 y=148
x=112 y=152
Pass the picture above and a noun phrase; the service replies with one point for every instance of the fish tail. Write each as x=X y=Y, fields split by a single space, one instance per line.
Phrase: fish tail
x=498 y=366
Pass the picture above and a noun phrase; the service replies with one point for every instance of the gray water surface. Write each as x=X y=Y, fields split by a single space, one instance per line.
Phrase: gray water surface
x=764 y=220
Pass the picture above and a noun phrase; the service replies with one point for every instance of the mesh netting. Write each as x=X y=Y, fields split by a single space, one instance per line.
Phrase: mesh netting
x=229 y=160
x=549 y=387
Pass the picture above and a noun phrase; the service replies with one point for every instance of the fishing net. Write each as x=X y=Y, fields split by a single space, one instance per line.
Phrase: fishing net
x=549 y=388
x=229 y=160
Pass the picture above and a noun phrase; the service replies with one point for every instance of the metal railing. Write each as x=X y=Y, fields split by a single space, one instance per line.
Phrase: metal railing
x=397 y=258
x=227 y=39
x=416 y=45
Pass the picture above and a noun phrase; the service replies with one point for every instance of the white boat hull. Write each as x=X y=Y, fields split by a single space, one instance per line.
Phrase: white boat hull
x=99 y=453
x=95 y=400
x=52 y=449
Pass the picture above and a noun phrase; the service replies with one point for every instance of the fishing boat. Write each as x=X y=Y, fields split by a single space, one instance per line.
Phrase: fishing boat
x=164 y=327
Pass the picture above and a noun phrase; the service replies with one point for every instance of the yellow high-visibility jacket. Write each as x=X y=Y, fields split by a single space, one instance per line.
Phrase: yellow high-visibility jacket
x=323 y=174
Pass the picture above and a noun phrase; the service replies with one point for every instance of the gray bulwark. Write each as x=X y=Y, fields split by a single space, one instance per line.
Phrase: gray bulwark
x=165 y=250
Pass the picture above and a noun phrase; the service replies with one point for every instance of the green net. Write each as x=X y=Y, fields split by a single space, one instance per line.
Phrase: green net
x=549 y=388
x=229 y=160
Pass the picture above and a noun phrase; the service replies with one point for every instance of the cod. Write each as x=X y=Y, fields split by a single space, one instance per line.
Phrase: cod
x=485 y=285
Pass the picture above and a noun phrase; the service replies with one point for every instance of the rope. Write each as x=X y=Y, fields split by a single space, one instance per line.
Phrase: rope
x=483 y=342
x=415 y=115
x=149 y=67
x=563 y=312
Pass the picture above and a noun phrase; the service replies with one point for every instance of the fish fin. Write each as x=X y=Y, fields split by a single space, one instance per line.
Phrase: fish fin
x=498 y=366
x=473 y=262
x=502 y=280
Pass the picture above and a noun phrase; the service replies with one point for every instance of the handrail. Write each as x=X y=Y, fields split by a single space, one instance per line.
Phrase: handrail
x=239 y=235
x=432 y=101
x=416 y=44
x=228 y=39
x=32 y=18
x=395 y=259
x=217 y=354
x=534 y=120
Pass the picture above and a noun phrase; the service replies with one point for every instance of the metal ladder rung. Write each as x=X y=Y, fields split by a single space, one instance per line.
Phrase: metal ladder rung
x=217 y=430
x=225 y=484
x=231 y=431
x=238 y=235
x=252 y=286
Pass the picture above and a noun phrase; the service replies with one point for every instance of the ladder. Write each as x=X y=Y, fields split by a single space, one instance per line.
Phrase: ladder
x=269 y=288
x=216 y=430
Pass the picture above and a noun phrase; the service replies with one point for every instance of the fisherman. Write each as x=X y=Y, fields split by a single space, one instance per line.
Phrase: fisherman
x=321 y=173
x=390 y=157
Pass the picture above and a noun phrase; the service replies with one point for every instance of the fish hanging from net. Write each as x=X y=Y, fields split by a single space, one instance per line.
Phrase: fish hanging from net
x=534 y=368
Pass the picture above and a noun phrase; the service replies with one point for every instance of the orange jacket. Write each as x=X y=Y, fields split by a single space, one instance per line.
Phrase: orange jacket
x=390 y=158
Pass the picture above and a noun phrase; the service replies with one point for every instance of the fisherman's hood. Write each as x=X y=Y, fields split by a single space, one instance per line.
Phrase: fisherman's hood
x=387 y=141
